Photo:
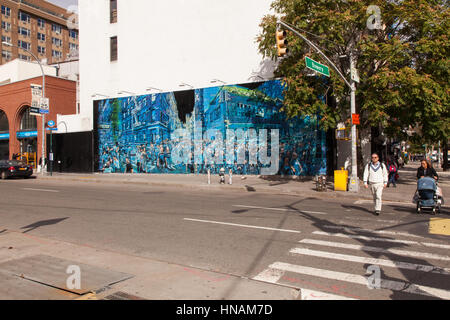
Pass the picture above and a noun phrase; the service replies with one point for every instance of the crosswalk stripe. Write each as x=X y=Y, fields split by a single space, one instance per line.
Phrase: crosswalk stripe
x=270 y=275
x=373 y=261
x=357 y=279
x=352 y=236
x=372 y=231
x=423 y=255
x=307 y=294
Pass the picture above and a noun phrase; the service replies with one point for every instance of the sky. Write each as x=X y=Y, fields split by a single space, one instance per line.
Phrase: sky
x=64 y=3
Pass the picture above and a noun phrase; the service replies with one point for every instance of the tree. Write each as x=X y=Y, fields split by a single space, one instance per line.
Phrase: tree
x=403 y=65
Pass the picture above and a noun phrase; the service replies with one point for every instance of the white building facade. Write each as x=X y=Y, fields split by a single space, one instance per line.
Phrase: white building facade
x=163 y=44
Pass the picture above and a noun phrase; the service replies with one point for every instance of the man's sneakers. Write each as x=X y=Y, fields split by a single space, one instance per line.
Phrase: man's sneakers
x=377 y=212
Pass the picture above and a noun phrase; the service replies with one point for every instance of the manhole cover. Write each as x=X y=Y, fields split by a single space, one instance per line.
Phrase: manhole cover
x=58 y=273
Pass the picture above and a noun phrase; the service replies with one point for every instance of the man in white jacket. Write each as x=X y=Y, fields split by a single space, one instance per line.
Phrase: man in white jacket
x=376 y=175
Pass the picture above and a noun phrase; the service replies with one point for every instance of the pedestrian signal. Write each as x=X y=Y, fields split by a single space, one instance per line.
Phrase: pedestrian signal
x=281 y=43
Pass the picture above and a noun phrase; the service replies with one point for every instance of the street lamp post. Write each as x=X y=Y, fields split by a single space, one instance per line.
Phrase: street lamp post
x=354 y=181
x=43 y=96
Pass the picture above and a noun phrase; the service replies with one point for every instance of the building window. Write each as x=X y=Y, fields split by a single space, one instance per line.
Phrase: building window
x=24 y=31
x=73 y=46
x=41 y=50
x=113 y=48
x=6 y=39
x=56 y=28
x=6 y=55
x=6 y=26
x=6 y=11
x=41 y=36
x=40 y=23
x=24 y=17
x=56 y=54
x=113 y=11
x=57 y=42
x=28 y=122
x=24 y=57
x=24 y=45
x=73 y=34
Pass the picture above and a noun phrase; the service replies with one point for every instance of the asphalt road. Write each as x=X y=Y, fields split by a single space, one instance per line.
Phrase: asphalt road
x=324 y=245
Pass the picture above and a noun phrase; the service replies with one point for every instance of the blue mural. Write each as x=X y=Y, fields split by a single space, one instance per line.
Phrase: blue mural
x=237 y=127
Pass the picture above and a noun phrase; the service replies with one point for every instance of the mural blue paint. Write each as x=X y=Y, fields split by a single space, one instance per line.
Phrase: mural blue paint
x=189 y=132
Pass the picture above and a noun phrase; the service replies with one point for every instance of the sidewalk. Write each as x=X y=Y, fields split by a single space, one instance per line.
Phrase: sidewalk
x=112 y=275
x=305 y=187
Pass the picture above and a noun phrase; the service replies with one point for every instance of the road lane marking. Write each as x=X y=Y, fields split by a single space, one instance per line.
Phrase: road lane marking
x=423 y=255
x=351 y=236
x=395 y=233
x=357 y=279
x=385 y=202
x=274 y=275
x=242 y=225
x=270 y=275
x=279 y=209
x=307 y=294
x=373 y=261
x=42 y=190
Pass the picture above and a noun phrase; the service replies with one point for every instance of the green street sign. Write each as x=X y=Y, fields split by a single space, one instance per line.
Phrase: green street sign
x=320 y=68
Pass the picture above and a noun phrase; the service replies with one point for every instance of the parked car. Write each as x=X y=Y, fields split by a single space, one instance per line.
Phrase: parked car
x=14 y=168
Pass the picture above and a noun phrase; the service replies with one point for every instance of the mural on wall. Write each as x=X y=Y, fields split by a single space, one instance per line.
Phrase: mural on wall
x=237 y=127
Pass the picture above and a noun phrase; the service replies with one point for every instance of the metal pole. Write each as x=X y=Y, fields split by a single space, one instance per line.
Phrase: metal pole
x=51 y=153
x=354 y=181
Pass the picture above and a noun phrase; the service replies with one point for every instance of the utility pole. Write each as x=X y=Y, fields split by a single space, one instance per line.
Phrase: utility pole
x=354 y=181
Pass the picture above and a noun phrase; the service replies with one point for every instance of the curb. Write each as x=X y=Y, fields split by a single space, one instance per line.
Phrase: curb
x=316 y=194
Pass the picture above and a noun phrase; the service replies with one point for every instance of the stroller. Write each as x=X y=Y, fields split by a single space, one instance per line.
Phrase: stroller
x=426 y=195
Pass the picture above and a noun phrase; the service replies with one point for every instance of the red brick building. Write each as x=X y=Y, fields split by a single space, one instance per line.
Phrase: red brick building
x=21 y=132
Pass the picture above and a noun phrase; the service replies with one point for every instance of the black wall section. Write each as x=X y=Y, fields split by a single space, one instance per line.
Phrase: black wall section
x=74 y=150
x=185 y=102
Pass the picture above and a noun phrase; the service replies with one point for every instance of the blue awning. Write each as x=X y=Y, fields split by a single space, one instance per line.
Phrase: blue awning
x=4 y=136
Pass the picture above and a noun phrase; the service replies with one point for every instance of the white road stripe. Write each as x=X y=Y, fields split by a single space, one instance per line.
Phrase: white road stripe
x=372 y=231
x=385 y=202
x=357 y=279
x=307 y=294
x=243 y=225
x=351 y=236
x=43 y=190
x=270 y=275
x=423 y=255
x=373 y=261
x=279 y=209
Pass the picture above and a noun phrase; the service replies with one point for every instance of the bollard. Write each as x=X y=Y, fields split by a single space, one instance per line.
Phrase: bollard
x=209 y=176
x=231 y=176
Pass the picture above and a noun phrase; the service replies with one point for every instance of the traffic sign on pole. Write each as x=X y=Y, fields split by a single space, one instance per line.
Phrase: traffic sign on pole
x=318 y=67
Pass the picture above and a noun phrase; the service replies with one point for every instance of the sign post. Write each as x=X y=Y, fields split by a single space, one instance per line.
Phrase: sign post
x=51 y=125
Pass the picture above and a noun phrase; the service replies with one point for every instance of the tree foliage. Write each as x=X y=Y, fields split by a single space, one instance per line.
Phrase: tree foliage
x=403 y=66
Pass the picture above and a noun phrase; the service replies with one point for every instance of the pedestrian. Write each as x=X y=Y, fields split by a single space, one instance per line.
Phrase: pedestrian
x=426 y=170
x=376 y=175
x=392 y=168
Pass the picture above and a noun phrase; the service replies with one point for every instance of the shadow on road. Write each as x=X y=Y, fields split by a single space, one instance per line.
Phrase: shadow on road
x=42 y=223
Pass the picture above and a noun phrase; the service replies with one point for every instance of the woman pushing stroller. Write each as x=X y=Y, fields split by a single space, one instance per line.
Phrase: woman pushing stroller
x=426 y=170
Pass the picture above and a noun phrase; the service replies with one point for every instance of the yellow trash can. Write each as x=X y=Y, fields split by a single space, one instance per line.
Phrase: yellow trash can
x=340 y=180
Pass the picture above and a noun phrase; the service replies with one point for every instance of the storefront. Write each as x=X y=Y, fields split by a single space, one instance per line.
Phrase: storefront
x=20 y=131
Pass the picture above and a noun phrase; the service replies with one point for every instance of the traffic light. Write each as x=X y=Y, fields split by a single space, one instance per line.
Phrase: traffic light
x=281 y=43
